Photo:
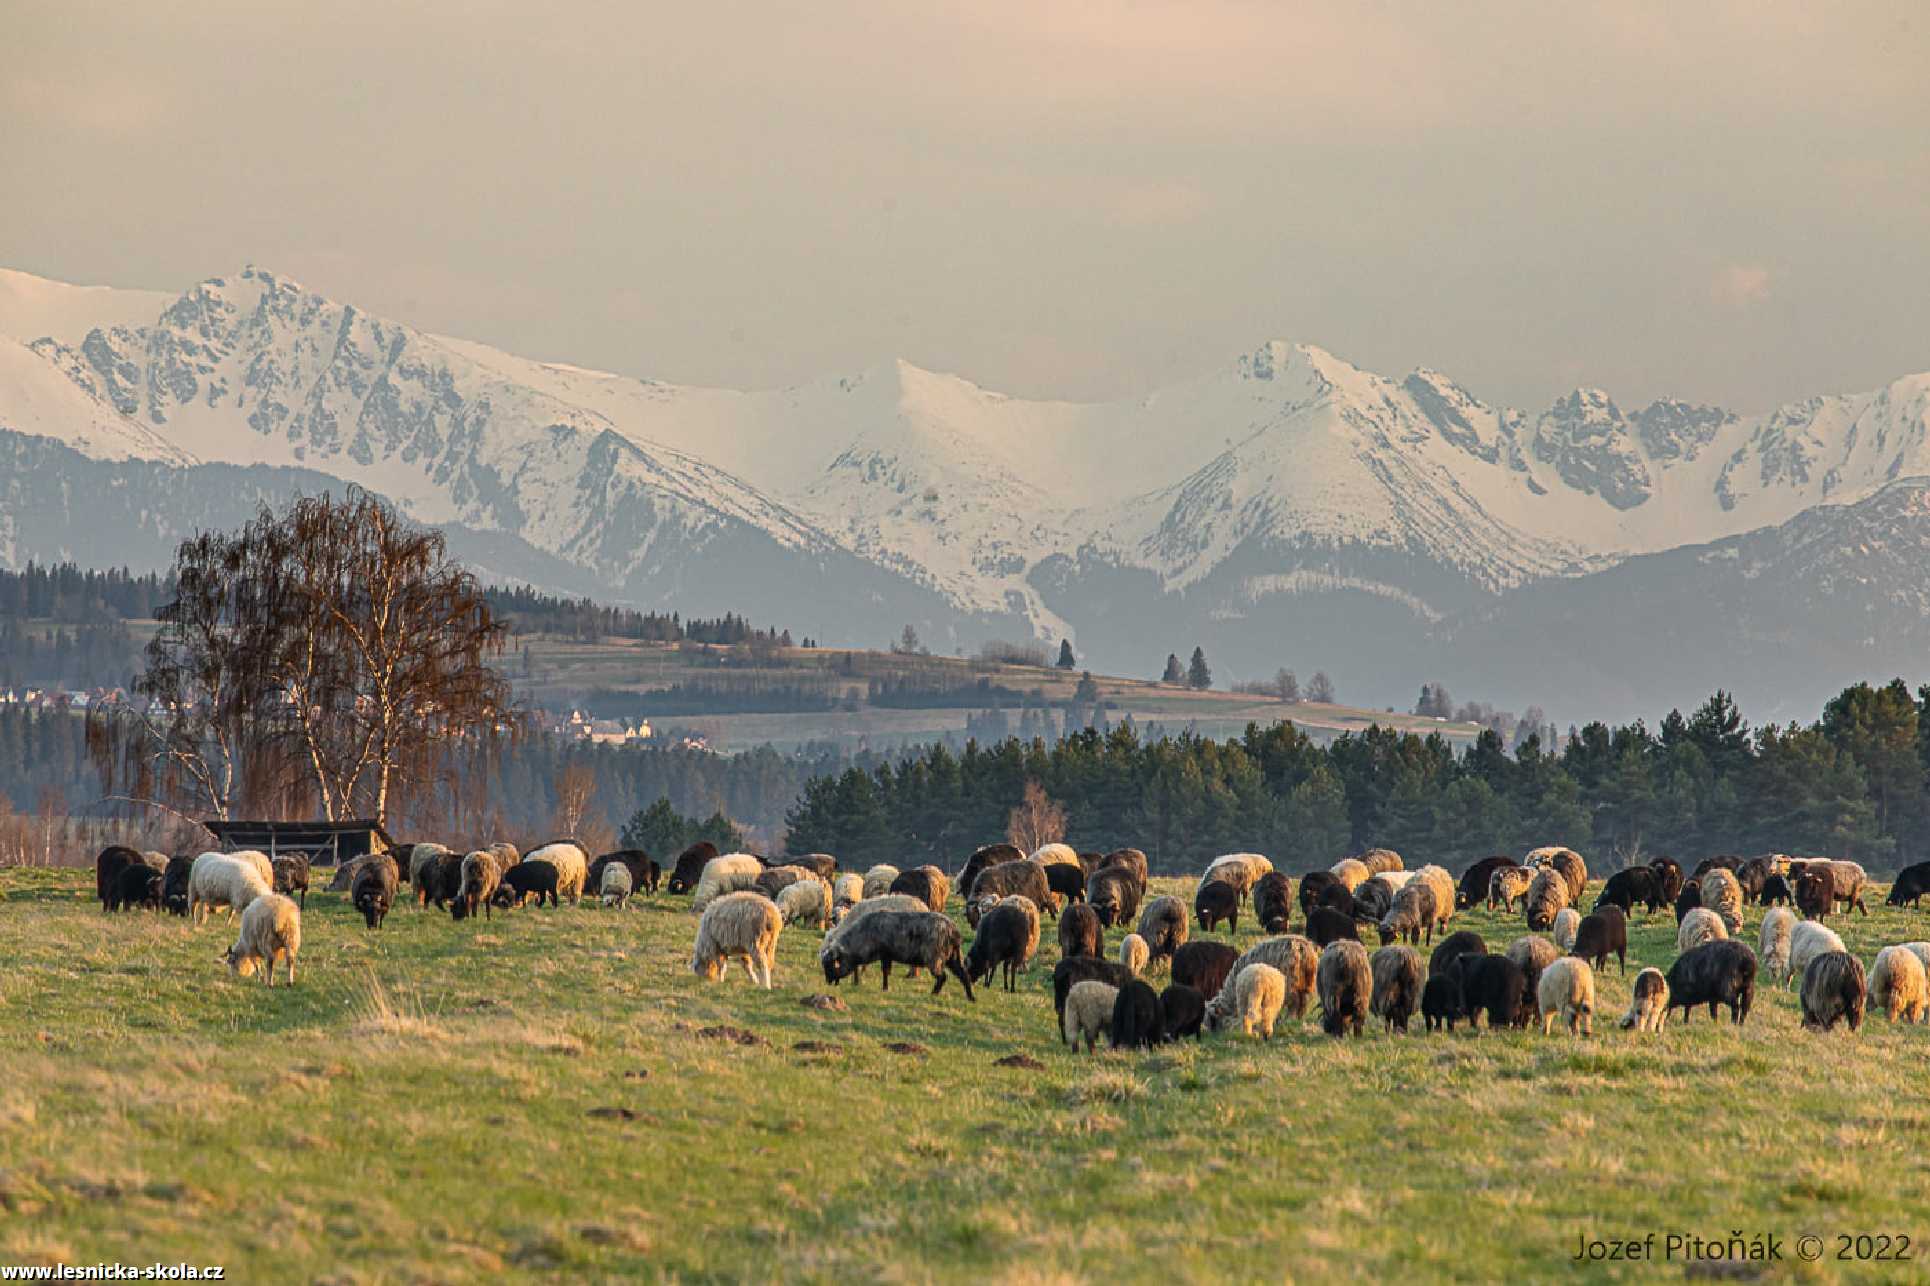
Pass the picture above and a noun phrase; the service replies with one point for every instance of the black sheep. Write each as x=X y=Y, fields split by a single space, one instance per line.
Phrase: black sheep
x=1627 y=887
x=1326 y=925
x=1129 y=859
x=174 y=885
x=1776 y=892
x=1493 y=985
x=689 y=866
x=920 y=939
x=291 y=876
x=373 y=890
x=1601 y=933
x=1668 y=878
x=1163 y=925
x=1027 y=879
x=1727 y=862
x=1273 y=901
x=138 y=885
x=990 y=855
x=1912 y=882
x=1372 y=901
x=1687 y=900
x=1091 y=862
x=1217 y=901
x=1441 y=1002
x=1473 y=888
x=1137 y=1021
x=1114 y=894
x=1083 y=969
x=1753 y=874
x=1462 y=942
x=1716 y=973
x=1204 y=966
x=445 y=884
x=108 y=866
x=524 y=880
x=1080 y=933
x=1183 y=1010
x=1815 y=894
x=1312 y=885
x=1067 y=881
x=822 y=865
x=1003 y=938
x=1335 y=897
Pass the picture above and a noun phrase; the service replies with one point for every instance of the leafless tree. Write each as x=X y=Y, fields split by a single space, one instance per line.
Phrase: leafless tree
x=1037 y=820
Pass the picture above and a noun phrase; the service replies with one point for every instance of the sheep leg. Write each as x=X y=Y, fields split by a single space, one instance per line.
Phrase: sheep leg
x=886 y=967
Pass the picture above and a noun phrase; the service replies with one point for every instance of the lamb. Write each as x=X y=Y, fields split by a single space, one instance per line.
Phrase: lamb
x=1507 y=886
x=374 y=889
x=1381 y=859
x=1087 y=1013
x=1600 y=933
x=446 y=880
x=271 y=931
x=1256 y=994
x=1715 y=973
x=1899 y=985
x=1163 y=925
x=1807 y=940
x=138 y=885
x=737 y=926
x=1567 y=991
x=108 y=865
x=1337 y=897
x=1849 y=880
x=1134 y=954
x=1346 y=984
x=1080 y=933
x=482 y=874
x=1567 y=920
x=1294 y=956
x=1327 y=925
x=1073 y=970
x=921 y=939
x=1216 y=902
x=1114 y=894
x=1912 y=882
x=1648 y=1002
x=731 y=873
x=174 y=885
x=1312 y=885
x=1397 y=986
x=1547 y=895
x=290 y=876
x=223 y=879
x=1273 y=901
x=1026 y=879
x=1351 y=871
x=1184 y=1011
x=1475 y=881
x=1441 y=1002
x=990 y=855
x=1722 y=893
x=525 y=880
x=806 y=902
x=926 y=883
x=1204 y=966
x=1008 y=936
x=1411 y=915
x=1532 y=954
x=1137 y=1022
x=1455 y=945
x=689 y=866
x=1773 y=946
x=846 y=893
x=1130 y=860
x=1833 y=989
x=615 y=888
x=1699 y=926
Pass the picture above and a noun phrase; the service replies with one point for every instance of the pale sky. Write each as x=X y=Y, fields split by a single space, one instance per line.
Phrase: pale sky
x=1721 y=201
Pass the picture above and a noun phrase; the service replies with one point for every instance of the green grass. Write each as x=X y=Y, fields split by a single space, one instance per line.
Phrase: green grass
x=448 y=1102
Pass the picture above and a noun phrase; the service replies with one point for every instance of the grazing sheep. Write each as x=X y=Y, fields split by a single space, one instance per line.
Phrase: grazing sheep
x=1648 y=1002
x=1134 y=954
x=1807 y=940
x=1067 y=880
x=731 y=873
x=1441 y=1002
x=614 y=889
x=869 y=906
x=1216 y=902
x=1601 y=933
x=1026 y=879
x=1351 y=871
x=1087 y=1013
x=1776 y=892
x=1668 y=878
x=737 y=926
x=1397 y=986
x=345 y=874
x=1532 y=954
x=1056 y=854
x=1184 y=1010
x=1381 y=859
x=1437 y=878
x=1921 y=950
x=1327 y=925
x=926 y=883
x=1912 y=882
x=1496 y=986
x=1204 y=966
x=773 y=880
x=1833 y=989
x=373 y=892
x=1163 y=925
x=1715 y=973
x=108 y=865
x=1567 y=920
x=1722 y=893
x=271 y=931
x=1114 y=894
x=524 y=881
x=1567 y=991
x=1464 y=943
x=1849 y=880
x=644 y=873
x=482 y=875
x=807 y=902
x=223 y=879
x=1239 y=870
x=1476 y=880
x=1256 y=994
x=1130 y=860
x=1753 y=874
x=1008 y=936
x=1373 y=900
x=1294 y=956
x=1346 y=985
x=1899 y=985
x=1773 y=946
x=505 y=853
x=1411 y=916
x=821 y=865
x=1073 y=970
x=1507 y=886
x=1815 y=894
x=423 y=860
x=174 y=885
x=689 y=866
x=1336 y=897
x=445 y=880
x=846 y=893
x=1273 y=901
x=1699 y=926
x=138 y=885
x=1627 y=887
x=1689 y=899
x=1547 y=895
x=1568 y=862
x=1080 y=933
x=922 y=939
x=990 y=855
x=1137 y=1022
x=1313 y=884
x=1731 y=862
x=290 y=876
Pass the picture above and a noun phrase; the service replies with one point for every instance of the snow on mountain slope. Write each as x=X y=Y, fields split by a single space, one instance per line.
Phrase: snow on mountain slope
x=38 y=399
x=34 y=307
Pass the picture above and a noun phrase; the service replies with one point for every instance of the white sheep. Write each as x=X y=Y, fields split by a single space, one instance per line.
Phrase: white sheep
x=1809 y=939
x=1240 y=871
x=1088 y=1013
x=271 y=930
x=1442 y=883
x=1773 y=945
x=259 y=860
x=616 y=884
x=1699 y=926
x=1567 y=921
x=1134 y=954
x=1507 y=885
x=1648 y=1002
x=224 y=880
x=1259 y=993
x=1921 y=950
x=808 y=902
x=1567 y=991
x=1722 y=893
x=572 y=868
x=1298 y=961
x=1900 y=985
x=1396 y=880
x=731 y=873
x=1350 y=871
x=846 y=893
x=737 y=926
x=1057 y=855
x=877 y=880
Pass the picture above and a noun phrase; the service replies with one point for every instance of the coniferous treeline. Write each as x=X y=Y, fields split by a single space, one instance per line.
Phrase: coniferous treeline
x=530 y=612
x=1851 y=785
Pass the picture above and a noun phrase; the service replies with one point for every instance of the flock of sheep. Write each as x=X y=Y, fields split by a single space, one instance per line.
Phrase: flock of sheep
x=890 y=917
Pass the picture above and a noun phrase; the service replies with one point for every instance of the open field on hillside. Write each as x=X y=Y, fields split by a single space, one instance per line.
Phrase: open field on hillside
x=545 y=1093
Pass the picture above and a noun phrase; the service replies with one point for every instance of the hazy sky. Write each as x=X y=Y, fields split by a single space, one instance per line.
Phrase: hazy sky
x=1722 y=201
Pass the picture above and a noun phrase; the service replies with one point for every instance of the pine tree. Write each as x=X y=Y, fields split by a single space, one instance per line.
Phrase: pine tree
x=1173 y=673
x=1066 y=660
x=1198 y=675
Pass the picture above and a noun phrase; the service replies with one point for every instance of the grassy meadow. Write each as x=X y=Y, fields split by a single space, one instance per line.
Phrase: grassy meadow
x=549 y=1094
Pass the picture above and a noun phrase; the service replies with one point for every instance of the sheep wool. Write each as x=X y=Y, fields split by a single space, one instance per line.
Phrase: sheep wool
x=1507 y=886
x=737 y=926
x=1567 y=920
x=1722 y=893
x=846 y=893
x=1397 y=975
x=1567 y=991
x=1807 y=940
x=806 y=902
x=1134 y=954
x=1699 y=926
x=1442 y=883
x=1378 y=860
x=271 y=931
x=1648 y=1002
x=1088 y=1013
x=877 y=880
x=222 y=880
x=1350 y=871
x=1899 y=985
x=731 y=873
x=1547 y=895
x=616 y=884
x=1259 y=993
x=1298 y=961
x=1056 y=855
x=1773 y=946
x=572 y=868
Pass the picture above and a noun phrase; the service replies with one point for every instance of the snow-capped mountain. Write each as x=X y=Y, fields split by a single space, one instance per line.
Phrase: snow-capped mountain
x=1288 y=508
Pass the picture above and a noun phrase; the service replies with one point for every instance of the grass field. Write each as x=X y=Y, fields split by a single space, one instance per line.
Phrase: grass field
x=539 y=1096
